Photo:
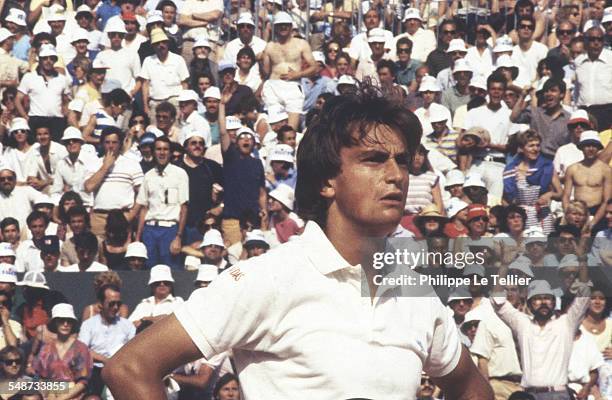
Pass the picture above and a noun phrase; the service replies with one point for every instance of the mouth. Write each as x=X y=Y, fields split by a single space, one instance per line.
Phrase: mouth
x=394 y=197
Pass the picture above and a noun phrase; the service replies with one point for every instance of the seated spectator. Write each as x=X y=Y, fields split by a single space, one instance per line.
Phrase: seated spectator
x=135 y=256
x=7 y=254
x=584 y=364
x=255 y=243
x=206 y=274
x=28 y=253
x=101 y=281
x=12 y=366
x=561 y=243
x=11 y=331
x=227 y=388
x=117 y=235
x=282 y=219
x=535 y=246
x=9 y=227
x=457 y=213
x=68 y=200
x=50 y=253
x=512 y=226
x=78 y=222
x=35 y=311
x=281 y=160
x=576 y=214
x=162 y=301
x=429 y=222
x=86 y=245
x=596 y=322
x=66 y=359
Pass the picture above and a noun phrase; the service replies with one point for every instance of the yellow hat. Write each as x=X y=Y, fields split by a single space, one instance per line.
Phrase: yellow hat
x=158 y=35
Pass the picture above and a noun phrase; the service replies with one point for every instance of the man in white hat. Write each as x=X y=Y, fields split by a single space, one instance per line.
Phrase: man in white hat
x=282 y=219
x=163 y=75
x=590 y=181
x=458 y=93
x=85 y=20
x=162 y=204
x=48 y=91
x=480 y=56
x=423 y=40
x=70 y=171
x=441 y=138
x=282 y=67
x=12 y=68
x=457 y=49
x=535 y=245
x=211 y=99
x=366 y=68
x=16 y=23
x=429 y=90
x=255 y=243
x=281 y=160
x=359 y=47
x=189 y=120
x=246 y=37
x=206 y=274
x=123 y=64
x=136 y=256
x=61 y=32
x=569 y=153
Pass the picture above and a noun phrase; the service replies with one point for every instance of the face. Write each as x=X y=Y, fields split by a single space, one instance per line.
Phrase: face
x=598 y=302
x=371 y=19
x=229 y=391
x=513 y=295
x=73 y=146
x=11 y=364
x=427 y=387
x=85 y=256
x=457 y=55
x=461 y=307
x=565 y=32
x=477 y=92
x=111 y=305
x=332 y=51
x=469 y=329
x=542 y=306
x=201 y=52
x=515 y=222
x=478 y=225
x=187 y=107
x=385 y=76
x=227 y=76
x=57 y=27
x=289 y=138
x=115 y=39
x=169 y=15
x=77 y=224
x=162 y=152
x=164 y=120
x=283 y=30
x=496 y=92
x=380 y=163
x=7 y=181
x=403 y=53
x=161 y=49
x=245 y=144
x=576 y=49
x=447 y=33
x=12 y=27
x=525 y=11
x=552 y=98
x=378 y=49
x=462 y=78
x=418 y=160
x=213 y=253
x=131 y=27
x=245 y=62
x=37 y=227
x=531 y=150
x=136 y=263
x=80 y=46
x=245 y=32
x=428 y=97
x=10 y=233
x=212 y=105
x=274 y=205
x=342 y=66
x=64 y=326
x=431 y=225
x=161 y=289
x=412 y=25
x=47 y=62
x=112 y=144
x=255 y=251
x=43 y=136
x=510 y=98
x=576 y=217
x=567 y=243
x=204 y=83
x=525 y=30
x=594 y=41
x=574 y=16
x=590 y=151
x=577 y=129
x=50 y=260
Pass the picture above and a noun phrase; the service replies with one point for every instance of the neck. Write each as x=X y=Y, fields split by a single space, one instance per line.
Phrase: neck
x=553 y=110
x=116 y=48
x=594 y=56
x=83 y=267
x=193 y=160
x=130 y=36
x=73 y=156
x=594 y=318
x=494 y=106
x=462 y=89
x=525 y=44
x=211 y=117
x=159 y=298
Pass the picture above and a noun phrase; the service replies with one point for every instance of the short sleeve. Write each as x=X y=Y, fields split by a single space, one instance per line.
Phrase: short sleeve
x=235 y=311
x=24 y=86
x=445 y=350
x=483 y=342
x=143 y=196
x=92 y=168
x=144 y=71
x=183 y=189
x=85 y=333
x=137 y=175
x=183 y=71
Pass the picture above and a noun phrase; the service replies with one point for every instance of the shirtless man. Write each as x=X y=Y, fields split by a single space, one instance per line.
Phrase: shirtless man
x=282 y=66
x=590 y=179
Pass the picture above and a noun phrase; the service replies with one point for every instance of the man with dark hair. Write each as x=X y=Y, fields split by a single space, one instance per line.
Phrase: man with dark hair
x=287 y=135
x=86 y=245
x=354 y=161
x=78 y=221
x=50 y=253
x=528 y=52
x=28 y=252
x=385 y=69
x=439 y=58
x=9 y=227
x=15 y=201
x=405 y=65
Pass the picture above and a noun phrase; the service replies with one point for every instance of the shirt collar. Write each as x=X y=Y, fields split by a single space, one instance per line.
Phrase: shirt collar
x=320 y=251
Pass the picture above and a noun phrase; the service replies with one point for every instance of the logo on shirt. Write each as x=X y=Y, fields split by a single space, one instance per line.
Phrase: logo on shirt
x=236 y=273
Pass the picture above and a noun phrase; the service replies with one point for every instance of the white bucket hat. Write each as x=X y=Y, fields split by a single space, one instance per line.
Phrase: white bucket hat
x=212 y=237
x=47 y=50
x=212 y=92
x=478 y=81
x=377 y=35
x=282 y=152
x=72 y=133
x=538 y=287
x=6 y=250
x=455 y=205
x=115 y=25
x=201 y=41
x=284 y=194
x=474 y=180
x=522 y=264
x=456 y=45
x=16 y=16
x=5 y=34
x=154 y=16
x=136 y=249
x=429 y=84
x=454 y=177
x=160 y=273
x=232 y=123
x=8 y=273
x=256 y=236
x=347 y=80
x=19 y=124
x=503 y=44
x=590 y=137
x=412 y=13
x=461 y=65
x=63 y=310
x=282 y=18
x=277 y=114
x=245 y=18
x=78 y=35
x=534 y=234
x=207 y=273
x=188 y=95
x=34 y=279
x=459 y=293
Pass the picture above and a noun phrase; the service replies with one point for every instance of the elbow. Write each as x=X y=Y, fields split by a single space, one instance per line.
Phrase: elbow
x=117 y=371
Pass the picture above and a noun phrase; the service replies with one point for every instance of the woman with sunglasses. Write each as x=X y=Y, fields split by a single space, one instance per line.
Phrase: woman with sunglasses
x=332 y=49
x=162 y=300
x=16 y=146
x=65 y=358
x=12 y=367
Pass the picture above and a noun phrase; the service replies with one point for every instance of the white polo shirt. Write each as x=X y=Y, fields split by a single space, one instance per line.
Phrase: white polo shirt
x=35 y=165
x=594 y=79
x=527 y=61
x=18 y=204
x=118 y=190
x=164 y=77
x=196 y=122
x=72 y=176
x=495 y=343
x=301 y=303
x=359 y=47
x=94 y=267
x=233 y=47
x=28 y=257
x=164 y=194
x=45 y=96
x=124 y=66
x=148 y=308
x=565 y=156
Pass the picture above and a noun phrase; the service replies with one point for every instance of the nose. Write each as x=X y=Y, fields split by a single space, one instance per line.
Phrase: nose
x=394 y=173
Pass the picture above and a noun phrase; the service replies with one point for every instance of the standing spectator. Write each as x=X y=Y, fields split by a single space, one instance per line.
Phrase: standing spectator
x=528 y=52
x=212 y=97
x=114 y=180
x=28 y=252
x=17 y=146
x=201 y=64
x=366 y=68
x=458 y=94
x=596 y=322
x=66 y=359
x=161 y=302
x=48 y=92
x=35 y=311
x=457 y=50
x=42 y=160
x=12 y=68
x=594 y=77
x=246 y=38
x=15 y=201
x=429 y=89
x=105 y=333
x=569 y=153
x=16 y=23
x=162 y=203
x=480 y=57
x=117 y=235
x=108 y=115
x=359 y=47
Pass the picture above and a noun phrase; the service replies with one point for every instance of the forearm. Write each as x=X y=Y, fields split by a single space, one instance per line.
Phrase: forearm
x=211 y=16
x=9 y=335
x=188 y=21
x=145 y=93
x=200 y=380
x=225 y=139
x=483 y=367
x=182 y=220
x=93 y=183
x=19 y=106
x=141 y=221
x=517 y=109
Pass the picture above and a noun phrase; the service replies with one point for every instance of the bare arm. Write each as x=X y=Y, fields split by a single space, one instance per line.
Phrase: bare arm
x=200 y=380
x=601 y=211
x=19 y=105
x=519 y=106
x=211 y=16
x=606 y=154
x=88 y=131
x=465 y=382
x=436 y=194
x=266 y=65
x=225 y=139
x=483 y=366
x=93 y=183
x=141 y=220
x=145 y=95
x=568 y=187
x=137 y=370
x=175 y=246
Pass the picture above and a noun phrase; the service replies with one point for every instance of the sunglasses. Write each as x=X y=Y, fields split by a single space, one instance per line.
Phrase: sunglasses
x=562 y=32
x=7 y=178
x=115 y=34
x=464 y=301
x=333 y=49
x=12 y=361
x=117 y=303
x=582 y=124
x=403 y=50
x=196 y=143
x=594 y=38
x=245 y=26
x=523 y=26
x=160 y=283
x=71 y=141
x=20 y=131
x=449 y=32
x=426 y=380
x=477 y=219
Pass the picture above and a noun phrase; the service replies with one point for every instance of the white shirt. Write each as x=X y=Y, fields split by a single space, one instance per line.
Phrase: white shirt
x=482 y=64
x=28 y=257
x=233 y=47
x=35 y=165
x=565 y=156
x=423 y=43
x=164 y=77
x=594 y=79
x=94 y=267
x=134 y=45
x=496 y=122
x=164 y=194
x=118 y=189
x=65 y=49
x=585 y=358
x=95 y=39
x=18 y=204
x=252 y=80
x=545 y=351
x=527 y=61
x=45 y=96
x=360 y=48
x=302 y=303
x=195 y=122
x=148 y=308
x=423 y=114
x=72 y=176
x=124 y=66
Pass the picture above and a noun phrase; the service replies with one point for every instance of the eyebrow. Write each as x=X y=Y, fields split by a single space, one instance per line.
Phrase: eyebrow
x=375 y=152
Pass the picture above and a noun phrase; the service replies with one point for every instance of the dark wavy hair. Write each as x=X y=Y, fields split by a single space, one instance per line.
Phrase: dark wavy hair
x=345 y=122
x=224 y=380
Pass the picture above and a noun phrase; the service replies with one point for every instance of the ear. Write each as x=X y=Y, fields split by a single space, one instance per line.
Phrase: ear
x=328 y=190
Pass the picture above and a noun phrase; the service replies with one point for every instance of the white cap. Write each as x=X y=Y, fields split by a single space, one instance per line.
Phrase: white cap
x=47 y=50
x=212 y=92
x=56 y=14
x=41 y=27
x=284 y=194
x=115 y=25
x=505 y=61
x=225 y=64
x=412 y=13
x=5 y=34
x=456 y=45
x=474 y=269
x=245 y=130
x=503 y=44
x=188 y=95
x=429 y=84
x=4 y=166
x=592 y=23
x=256 y=235
x=201 y=41
x=347 y=80
x=523 y=264
x=79 y=34
x=282 y=17
x=459 y=293
x=84 y=8
x=232 y=123
x=474 y=180
x=454 y=206
x=538 y=287
x=281 y=152
x=318 y=56
x=454 y=177
x=478 y=81
x=19 y=124
x=534 y=234
x=461 y=65
x=279 y=2
x=16 y=16
x=154 y=16
x=439 y=114
x=99 y=63
x=63 y=310
x=476 y=314
x=207 y=273
x=8 y=273
x=377 y=35
x=6 y=250
x=607 y=17
x=245 y=18
x=277 y=115
x=212 y=237
x=569 y=261
x=34 y=279
x=590 y=136
x=136 y=249
x=72 y=133
x=579 y=116
x=160 y=273
x=189 y=133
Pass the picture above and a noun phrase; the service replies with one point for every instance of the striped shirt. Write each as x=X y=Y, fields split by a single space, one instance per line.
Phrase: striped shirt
x=103 y=120
x=419 y=192
x=446 y=145
x=118 y=189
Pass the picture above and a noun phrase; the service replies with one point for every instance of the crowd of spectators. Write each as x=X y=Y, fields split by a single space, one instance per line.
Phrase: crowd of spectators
x=161 y=136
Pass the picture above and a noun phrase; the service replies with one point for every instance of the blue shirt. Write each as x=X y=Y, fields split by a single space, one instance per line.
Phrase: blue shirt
x=105 y=11
x=405 y=75
x=312 y=90
x=105 y=339
x=243 y=178
x=290 y=180
x=21 y=48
